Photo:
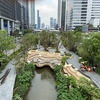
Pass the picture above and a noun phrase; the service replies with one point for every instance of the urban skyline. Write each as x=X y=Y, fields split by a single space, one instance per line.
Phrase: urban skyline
x=71 y=13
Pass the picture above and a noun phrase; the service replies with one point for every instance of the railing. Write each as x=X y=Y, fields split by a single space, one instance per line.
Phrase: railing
x=2 y=79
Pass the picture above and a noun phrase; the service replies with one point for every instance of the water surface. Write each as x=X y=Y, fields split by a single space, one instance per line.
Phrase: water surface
x=42 y=85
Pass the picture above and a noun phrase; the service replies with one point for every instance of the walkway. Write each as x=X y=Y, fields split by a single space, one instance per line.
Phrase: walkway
x=6 y=89
x=41 y=58
x=92 y=75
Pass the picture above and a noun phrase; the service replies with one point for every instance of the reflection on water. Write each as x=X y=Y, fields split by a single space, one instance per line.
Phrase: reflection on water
x=42 y=85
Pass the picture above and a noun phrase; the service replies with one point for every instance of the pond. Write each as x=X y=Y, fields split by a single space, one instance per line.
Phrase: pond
x=43 y=85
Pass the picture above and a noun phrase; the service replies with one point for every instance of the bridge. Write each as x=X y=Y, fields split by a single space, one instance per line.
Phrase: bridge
x=41 y=58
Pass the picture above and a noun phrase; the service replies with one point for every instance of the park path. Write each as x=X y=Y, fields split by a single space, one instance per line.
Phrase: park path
x=6 y=89
x=92 y=75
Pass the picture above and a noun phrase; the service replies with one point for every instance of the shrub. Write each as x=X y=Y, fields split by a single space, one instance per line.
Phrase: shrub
x=63 y=60
x=17 y=97
x=23 y=80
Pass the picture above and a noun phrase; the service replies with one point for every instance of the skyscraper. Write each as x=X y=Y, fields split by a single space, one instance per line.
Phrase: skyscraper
x=80 y=12
x=10 y=14
x=25 y=4
x=62 y=14
x=54 y=23
x=31 y=10
x=38 y=20
x=43 y=25
x=51 y=22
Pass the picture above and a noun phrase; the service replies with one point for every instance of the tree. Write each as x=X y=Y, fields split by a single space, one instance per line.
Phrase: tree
x=67 y=39
x=90 y=25
x=27 y=42
x=88 y=50
x=48 y=39
x=78 y=29
x=6 y=43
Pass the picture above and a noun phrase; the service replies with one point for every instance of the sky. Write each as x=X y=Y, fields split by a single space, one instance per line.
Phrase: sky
x=47 y=9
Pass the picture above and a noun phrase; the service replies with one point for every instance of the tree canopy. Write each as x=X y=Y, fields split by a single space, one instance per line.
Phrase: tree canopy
x=6 y=43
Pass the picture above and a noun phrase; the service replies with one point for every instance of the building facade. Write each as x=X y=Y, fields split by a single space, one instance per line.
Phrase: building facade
x=38 y=20
x=31 y=11
x=26 y=22
x=81 y=12
x=7 y=15
x=54 y=23
x=10 y=15
x=51 y=22
x=43 y=26
x=62 y=14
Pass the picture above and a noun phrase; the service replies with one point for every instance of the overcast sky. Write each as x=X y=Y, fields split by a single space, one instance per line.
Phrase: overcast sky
x=47 y=9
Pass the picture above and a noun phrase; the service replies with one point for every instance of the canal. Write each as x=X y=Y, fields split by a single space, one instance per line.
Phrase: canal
x=43 y=85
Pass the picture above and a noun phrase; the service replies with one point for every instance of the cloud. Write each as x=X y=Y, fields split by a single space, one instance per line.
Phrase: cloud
x=47 y=9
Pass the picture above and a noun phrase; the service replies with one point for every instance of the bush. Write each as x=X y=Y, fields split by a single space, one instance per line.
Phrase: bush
x=17 y=97
x=29 y=67
x=23 y=80
x=97 y=70
x=63 y=60
x=27 y=31
x=70 y=89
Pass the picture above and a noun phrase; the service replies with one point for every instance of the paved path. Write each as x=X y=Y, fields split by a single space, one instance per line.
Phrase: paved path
x=92 y=75
x=6 y=89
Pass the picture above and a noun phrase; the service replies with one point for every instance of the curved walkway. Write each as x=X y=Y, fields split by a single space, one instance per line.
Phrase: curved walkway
x=6 y=89
x=92 y=75
x=41 y=58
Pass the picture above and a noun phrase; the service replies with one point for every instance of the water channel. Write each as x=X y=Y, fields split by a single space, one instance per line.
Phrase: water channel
x=42 y=85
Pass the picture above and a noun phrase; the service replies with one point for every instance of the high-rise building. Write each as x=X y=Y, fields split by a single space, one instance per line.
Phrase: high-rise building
x=25 y=4
x=51 y=22
x=38 y=20
x=31 y=11
x=10 y=13
x=43 y=26
x=80 y=12
x=54 y=23
x=62 y=14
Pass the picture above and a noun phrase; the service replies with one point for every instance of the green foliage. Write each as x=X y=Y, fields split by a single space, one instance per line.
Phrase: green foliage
x=89 y=49
x=68 y=39
x=28 y=40
x=70 y=89
x=63 y=83
x=48 y=39
x=17 y=97
x=27 y=31
x=6 y=43
x=71 y=39
x=24 y=77
x=57 y=68
x=22 y=89
x=78 y=29
x=16 y=34
x=29 y=67
x=23 y=80
x=74 y=94
x=63 y=60
x=97 y=70
x=88 y=90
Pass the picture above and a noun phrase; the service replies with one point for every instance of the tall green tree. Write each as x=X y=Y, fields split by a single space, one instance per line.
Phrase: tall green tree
x=48 y=39
x=67 y=39
x=89 y=49
x=27 y=42
x=6 y=43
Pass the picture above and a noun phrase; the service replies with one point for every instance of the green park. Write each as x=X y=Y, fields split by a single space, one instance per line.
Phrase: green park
x=85 y=45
